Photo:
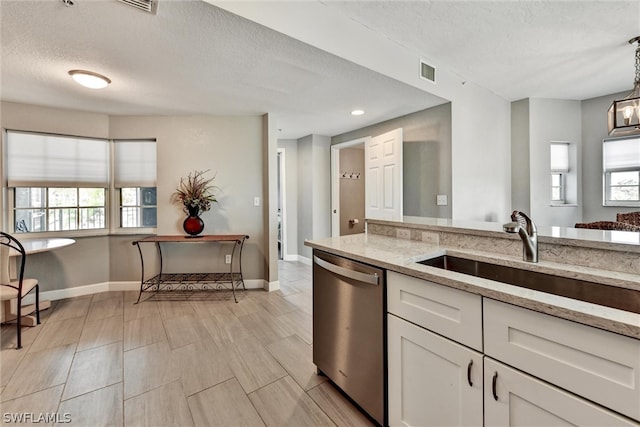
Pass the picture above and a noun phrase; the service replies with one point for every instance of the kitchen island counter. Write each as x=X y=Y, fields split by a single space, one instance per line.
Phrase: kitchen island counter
x=403 y=255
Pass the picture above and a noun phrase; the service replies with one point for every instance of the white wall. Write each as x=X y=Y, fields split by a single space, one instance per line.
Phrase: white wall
x=481 y=159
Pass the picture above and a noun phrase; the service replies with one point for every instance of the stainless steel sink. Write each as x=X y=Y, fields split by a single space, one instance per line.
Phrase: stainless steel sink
x=597 y=293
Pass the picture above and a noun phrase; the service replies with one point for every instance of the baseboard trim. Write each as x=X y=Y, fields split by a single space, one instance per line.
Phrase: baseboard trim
x=304 y=260
x=298 y=258
x=78 y=291
x=271 y=286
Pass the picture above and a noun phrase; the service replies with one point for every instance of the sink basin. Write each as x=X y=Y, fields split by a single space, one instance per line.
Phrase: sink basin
x=597 y=293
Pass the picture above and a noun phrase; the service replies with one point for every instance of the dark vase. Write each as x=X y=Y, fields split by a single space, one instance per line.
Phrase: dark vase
x=193 y=224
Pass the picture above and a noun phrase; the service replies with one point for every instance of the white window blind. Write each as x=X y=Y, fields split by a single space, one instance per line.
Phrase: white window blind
x=621 y=154
x=41 y=160
x=135 y=164
x=560 y=157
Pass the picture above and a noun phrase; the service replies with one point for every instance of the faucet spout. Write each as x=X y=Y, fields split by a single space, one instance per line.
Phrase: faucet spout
x=526 y=229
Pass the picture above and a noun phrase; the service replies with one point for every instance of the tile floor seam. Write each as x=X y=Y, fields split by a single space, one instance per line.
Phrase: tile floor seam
x=283 y=311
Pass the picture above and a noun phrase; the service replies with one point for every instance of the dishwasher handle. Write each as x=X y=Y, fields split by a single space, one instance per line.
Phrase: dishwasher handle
x=371 y=279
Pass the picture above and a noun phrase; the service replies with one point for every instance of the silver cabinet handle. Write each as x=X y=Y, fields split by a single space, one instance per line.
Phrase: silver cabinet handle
x=371 y=279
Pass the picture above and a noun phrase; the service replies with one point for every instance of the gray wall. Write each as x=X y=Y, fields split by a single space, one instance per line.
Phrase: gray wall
x=535 y=123
x=554 y=120
x=290 y=147
x=314 y=190
x=230 y=146
x=594 y=130
x=520 y=176
x=427 y=158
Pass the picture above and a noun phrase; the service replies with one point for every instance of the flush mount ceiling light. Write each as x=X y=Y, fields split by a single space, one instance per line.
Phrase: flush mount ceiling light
x=90 y=79
x=357 y=112
x=624 y=115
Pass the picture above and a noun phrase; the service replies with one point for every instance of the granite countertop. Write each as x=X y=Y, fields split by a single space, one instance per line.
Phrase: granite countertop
x=402 y=255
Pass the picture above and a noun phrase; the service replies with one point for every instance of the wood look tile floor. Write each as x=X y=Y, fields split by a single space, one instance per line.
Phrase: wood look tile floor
x=101 y=360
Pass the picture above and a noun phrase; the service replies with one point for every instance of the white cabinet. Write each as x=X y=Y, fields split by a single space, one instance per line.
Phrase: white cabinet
x=512 y=398
x=538 y=370
x=599 y=365
x=433 y=381
x=449 y=312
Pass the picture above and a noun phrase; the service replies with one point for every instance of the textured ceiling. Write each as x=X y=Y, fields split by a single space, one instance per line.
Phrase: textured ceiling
x=194 y=58
x=566 y=49
x=190 y=58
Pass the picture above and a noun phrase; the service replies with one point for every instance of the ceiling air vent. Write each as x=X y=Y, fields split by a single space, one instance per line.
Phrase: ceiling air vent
x=150 y=6
x=427 y=72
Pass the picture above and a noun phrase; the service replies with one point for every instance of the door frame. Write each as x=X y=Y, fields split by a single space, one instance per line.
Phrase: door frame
x=283 y=200
x=335 y=181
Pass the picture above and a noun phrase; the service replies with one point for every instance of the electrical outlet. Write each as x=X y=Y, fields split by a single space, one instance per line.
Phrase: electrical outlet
x=227 y=259
x=441 y=200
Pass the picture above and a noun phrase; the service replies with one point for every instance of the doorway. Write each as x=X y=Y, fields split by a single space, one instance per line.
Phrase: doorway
x=348 y=187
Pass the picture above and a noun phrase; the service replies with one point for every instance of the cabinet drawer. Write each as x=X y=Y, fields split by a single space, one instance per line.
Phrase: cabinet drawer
x=446 y=311
x=598 y=365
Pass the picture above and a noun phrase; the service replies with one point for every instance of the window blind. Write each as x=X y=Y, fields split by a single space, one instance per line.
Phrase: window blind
x=41 y=160
x=135 y=163
x=621 y=154
x=560 y=157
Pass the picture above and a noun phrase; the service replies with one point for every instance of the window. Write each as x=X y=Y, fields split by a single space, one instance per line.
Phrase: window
x=135 y=179
x=57 y=183
x=138 y=207
x=559 y=169
x=621 y=170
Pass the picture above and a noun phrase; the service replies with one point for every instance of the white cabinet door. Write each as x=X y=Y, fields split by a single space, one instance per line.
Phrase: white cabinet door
x=598 y=365
x=383 y=181
x=512 y=398
x=432 y=381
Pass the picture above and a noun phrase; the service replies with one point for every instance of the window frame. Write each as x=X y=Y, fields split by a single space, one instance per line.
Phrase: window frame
x=78 y=232
x=562 y=172
x=112 y=224
x=116 y=193
x=141 y=206
x=606 y=176
x=561 y=188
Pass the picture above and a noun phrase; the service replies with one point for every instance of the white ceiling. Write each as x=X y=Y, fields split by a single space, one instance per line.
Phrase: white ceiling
x=194 y=58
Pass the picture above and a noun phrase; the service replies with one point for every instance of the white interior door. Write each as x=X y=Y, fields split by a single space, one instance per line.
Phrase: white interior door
x=383 y=163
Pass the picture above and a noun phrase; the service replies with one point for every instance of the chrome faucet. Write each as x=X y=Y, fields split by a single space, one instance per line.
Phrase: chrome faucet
x=527 y=231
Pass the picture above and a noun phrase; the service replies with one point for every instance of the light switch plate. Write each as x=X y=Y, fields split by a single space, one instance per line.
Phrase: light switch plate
x=441 y=200
x=256 y=201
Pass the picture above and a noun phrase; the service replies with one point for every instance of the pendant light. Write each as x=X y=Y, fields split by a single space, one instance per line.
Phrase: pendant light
x=624 y=115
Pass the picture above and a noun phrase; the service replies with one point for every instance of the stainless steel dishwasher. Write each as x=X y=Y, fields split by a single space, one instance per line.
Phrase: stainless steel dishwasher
x=348 y=329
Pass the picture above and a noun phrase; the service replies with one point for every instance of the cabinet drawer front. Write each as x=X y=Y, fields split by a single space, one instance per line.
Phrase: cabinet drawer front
x=447 y=311
x=598 y=365
x=432 y=381
x=522 y=400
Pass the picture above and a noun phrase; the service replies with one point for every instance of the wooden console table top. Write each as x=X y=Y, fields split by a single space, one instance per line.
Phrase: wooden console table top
x=202 y=238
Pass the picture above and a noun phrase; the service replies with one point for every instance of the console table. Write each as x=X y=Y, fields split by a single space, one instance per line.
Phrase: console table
x=194 y=281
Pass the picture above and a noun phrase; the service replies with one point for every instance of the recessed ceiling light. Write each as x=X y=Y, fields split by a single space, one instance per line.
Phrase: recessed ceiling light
x=357 y=112
x=90 y=79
